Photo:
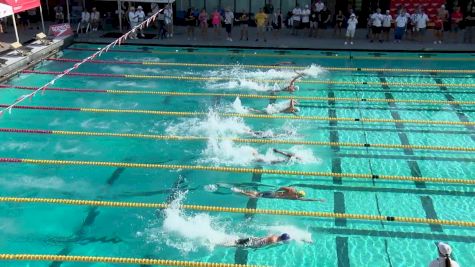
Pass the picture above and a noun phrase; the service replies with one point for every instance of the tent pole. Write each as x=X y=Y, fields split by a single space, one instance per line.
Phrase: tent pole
x=67 y=11
x=42 y=20
x=16 y=30
x=119 y=10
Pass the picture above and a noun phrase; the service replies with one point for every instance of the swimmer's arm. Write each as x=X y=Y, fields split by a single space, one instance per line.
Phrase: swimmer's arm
x=287 y=189
x=289 y=155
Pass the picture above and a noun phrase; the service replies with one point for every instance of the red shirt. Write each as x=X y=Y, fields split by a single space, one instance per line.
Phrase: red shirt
x=457 y=16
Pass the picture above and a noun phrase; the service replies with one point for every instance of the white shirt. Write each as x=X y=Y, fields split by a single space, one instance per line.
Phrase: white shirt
x=168 y=12
x=228 y=17
x=95 y=15
x=387 y=20
x=85 y=16
x=133 y=18
x=319 y=6
x=376 y=18
x=306 y=15
x=140 y=15
x=401 y=21
x=421 y=20
x=440 y=262
x=296 y=14
x=352 y=23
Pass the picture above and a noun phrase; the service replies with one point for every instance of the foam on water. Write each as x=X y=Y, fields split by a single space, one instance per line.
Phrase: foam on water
x=278 y=107
x=237 y=107
x=189 y=232
x=244 y=78
x=296 y=234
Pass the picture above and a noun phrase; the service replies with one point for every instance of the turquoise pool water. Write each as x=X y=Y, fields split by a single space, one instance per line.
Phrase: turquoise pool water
x=196 y=236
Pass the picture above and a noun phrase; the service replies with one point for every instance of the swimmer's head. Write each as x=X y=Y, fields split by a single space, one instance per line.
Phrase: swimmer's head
x=284 y=237
x=301 y=193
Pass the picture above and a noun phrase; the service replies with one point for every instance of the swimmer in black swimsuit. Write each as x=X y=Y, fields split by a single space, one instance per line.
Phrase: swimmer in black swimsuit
x=259 y=242
x=281 y=193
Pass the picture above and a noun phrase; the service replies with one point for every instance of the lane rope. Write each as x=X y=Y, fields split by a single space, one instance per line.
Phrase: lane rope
x=234 y=170
x=317 y=214
x=198 y=78
x=251 y=96
x=116 y=260
x=188 y=64
x=237 y=140
x=251 y=116
x=334 y=56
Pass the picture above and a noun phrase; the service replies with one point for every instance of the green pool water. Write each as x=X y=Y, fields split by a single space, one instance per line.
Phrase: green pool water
x=193 y=236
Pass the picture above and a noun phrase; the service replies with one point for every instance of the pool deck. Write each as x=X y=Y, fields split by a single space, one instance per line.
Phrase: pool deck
x=287 y=41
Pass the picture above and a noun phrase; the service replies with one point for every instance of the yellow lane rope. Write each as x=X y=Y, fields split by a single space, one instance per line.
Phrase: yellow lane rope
x=118 y=204
x=335 y=56
x=115 y=260
x=236 y=170
x=241 y=140
x=309 y=98
x=198 y=78
x=186 y=64
x=261 y=116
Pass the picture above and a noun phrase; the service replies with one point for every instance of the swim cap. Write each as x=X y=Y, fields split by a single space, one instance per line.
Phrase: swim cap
x=444 y=248
x=284 y=237
x=301 y=193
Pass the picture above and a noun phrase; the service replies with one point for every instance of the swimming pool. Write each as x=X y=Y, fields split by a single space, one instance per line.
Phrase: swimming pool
x=359 y=98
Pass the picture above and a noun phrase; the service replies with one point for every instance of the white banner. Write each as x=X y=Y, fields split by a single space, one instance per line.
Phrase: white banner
x=5 y=10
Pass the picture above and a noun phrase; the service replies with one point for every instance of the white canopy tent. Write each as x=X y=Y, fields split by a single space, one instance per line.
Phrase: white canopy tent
x=119 y=6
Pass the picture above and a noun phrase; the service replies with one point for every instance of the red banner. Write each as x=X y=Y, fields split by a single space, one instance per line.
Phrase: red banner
x=59 y=30
x=21 y=5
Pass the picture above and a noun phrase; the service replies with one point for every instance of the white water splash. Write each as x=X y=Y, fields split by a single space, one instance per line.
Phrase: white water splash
x=189 y=232
x=296 y=234
x=279 y=107
x=237 y=107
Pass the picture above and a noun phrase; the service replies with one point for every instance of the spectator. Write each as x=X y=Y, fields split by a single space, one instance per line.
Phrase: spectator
x=401 y=23
x=421 y=20
x=196 y=14
x=203 y=19
x=319 y=5
x=155 y=8
x=24 y=20
x=443 y=260
x=441 y=24
x=1 y=26
x=58 y=14
x=168 y=19
x=133 y=21
x=339 y=20
x=387 y=20
x=296 y=19
x=216 y=21
x=351 y=29
x=305 y=15
x=162 y=29
x=85 y=20
x=469 y=23
x=276 y=22
x=228 y=23
x=140 y=18
x=376 y=25
x=244 y=21
x=261 y=19
x=96 y=18
x=325 y=18
x=456 y=19
x=190 y=23
x=313 y=23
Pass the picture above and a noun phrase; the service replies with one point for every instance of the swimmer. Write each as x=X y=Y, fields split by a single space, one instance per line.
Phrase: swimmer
x=284 y=63
x=291 y=108
x=281 y=193
x=261 y=159
x=259 y=242
x=292 y=87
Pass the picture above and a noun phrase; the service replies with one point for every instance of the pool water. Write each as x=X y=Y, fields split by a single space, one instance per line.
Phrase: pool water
x=199 y=236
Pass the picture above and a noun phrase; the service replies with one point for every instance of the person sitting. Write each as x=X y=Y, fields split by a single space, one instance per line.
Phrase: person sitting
x=284 y=192
x=443 y=260
x=85 y=20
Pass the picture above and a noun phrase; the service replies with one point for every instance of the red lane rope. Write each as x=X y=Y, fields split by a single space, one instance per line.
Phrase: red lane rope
x=54 y=88
x=41 y=107
x=13 y=130
x=76 y=73
x=97 y=61
x=10 y=160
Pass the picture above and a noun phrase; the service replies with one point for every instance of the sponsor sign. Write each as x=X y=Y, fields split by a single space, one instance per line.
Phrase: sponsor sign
x=60 y=30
